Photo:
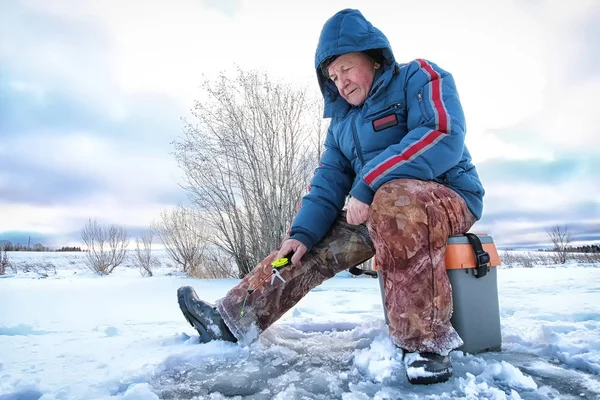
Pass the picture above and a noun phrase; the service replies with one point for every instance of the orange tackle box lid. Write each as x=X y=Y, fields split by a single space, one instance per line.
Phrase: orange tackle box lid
x=459 y=253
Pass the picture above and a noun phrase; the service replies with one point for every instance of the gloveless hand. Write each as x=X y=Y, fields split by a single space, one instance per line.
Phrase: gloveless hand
x=357 y=212
x=292 y=245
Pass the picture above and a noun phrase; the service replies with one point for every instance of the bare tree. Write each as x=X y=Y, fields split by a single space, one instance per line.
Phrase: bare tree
x=218 y=264
x=4 y=263
x=182 y=233
x=247 y=161
x=106 y=246
x=142 y=257
x=318 y=127
x=560 y=237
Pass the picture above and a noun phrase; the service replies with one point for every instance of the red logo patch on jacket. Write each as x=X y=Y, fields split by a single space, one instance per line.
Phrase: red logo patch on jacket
x=385 y=122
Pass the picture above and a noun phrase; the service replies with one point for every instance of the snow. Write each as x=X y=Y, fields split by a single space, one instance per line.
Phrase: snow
x=76 y=335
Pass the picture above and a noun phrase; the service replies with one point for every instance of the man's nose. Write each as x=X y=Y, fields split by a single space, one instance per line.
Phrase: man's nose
x=342 y=82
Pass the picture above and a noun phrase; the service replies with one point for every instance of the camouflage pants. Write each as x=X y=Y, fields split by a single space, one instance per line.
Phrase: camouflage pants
x=408 y=228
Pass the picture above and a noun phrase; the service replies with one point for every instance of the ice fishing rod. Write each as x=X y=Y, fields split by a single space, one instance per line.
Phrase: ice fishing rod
x=277 y=265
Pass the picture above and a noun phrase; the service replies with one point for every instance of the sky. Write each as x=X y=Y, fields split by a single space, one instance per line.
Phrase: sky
x=92 y=94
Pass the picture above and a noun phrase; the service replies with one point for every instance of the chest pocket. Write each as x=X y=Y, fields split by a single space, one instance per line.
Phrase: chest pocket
x=387 y=117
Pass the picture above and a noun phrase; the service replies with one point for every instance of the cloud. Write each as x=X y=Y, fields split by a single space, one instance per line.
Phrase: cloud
x=101 y=50
x=42 y=109
x=60 y=223
x=590 y=35
x=572 y=167
x=29 y=89
x=530 y=233
x=22 y=183
x=25 y=237
x=562 y=118
x=524 y=199
x=228 y=7
x=62 y=145
x=53 y=52
x=66 y=158
x=72 y=237
x=90 y=160
x=571 y=36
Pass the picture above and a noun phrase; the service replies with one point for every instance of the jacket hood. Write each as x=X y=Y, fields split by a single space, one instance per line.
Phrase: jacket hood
x=347 y=31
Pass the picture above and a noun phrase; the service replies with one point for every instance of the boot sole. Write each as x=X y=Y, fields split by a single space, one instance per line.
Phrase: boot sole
x=430 y=380
x=204 y=336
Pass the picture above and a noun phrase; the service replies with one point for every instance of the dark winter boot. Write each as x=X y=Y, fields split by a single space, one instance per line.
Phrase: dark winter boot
x=427 y=368
x=203 y=316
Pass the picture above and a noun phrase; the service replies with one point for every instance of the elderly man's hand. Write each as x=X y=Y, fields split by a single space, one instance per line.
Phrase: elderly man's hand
x=292 y=245
x=357 y=212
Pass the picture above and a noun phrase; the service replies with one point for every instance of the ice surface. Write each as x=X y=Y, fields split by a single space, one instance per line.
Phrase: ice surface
x=75 y=335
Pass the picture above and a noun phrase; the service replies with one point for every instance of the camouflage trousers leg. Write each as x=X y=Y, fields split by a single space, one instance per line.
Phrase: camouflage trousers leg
x=410 y=223
x=343 y=247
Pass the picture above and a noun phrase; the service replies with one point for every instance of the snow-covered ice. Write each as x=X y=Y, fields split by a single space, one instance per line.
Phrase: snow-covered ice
x=75 y=335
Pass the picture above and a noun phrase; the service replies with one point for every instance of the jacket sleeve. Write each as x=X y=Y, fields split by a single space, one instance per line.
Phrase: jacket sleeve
x=326 y=196
x=436 y=132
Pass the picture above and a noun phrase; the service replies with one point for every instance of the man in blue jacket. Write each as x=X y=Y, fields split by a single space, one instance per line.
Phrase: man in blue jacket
x=396 y=146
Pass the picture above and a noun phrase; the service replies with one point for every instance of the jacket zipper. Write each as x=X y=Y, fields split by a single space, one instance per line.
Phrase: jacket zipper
x=356 y=142
x=374 y=90
x=384 y=111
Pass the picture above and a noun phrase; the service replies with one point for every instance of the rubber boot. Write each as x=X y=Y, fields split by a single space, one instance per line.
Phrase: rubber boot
x=427 y=368
x=203 y=316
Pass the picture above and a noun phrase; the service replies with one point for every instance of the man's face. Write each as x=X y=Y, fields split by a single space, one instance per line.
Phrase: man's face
x=353 y=75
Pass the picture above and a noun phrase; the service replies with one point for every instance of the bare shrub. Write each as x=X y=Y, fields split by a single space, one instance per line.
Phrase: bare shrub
x=4 y=263
x=247 y=160
x=560 y=237
x=142 y=257
x=585 y=258
x=42 y=269
x=524 y=259
x=218 y=264
x=182 y=233
x=106 y=247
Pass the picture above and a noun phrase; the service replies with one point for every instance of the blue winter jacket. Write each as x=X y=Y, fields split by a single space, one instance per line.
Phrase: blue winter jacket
x=410 y=126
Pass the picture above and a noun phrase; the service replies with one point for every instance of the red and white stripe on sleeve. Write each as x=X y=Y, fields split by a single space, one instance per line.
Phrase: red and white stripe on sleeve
x=431 y=137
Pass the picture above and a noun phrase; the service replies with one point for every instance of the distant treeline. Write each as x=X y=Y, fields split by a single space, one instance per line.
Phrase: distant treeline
x=67 y=248
x=594 y=248
x=7 y=245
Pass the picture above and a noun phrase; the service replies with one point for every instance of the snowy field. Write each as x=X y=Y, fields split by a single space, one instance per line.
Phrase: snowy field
x=75 y=335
